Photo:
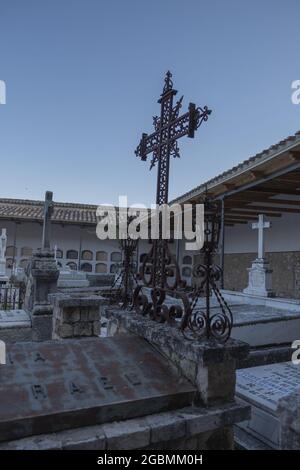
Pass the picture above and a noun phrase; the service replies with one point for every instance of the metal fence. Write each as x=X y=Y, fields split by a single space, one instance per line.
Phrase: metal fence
x=11 y=297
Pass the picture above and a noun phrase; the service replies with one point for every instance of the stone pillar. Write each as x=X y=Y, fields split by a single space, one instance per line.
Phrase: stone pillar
x=43 y=275
x=76 y=316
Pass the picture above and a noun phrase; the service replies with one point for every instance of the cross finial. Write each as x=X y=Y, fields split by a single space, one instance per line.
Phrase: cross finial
x=168 y=82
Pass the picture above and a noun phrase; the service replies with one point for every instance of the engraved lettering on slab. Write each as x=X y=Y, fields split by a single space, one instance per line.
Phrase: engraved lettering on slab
x=106 y=383
x=39 y=358
x=133 y=378
x=74 y=388
x=39 y=391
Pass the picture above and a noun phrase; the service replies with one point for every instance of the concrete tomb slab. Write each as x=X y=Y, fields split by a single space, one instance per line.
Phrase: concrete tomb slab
x=262 y=387
x=71 y=278
x=14 y=319
x=56 y=385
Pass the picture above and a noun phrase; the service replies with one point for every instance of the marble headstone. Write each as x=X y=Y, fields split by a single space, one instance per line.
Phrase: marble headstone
x=71 y=278
x=262 y=387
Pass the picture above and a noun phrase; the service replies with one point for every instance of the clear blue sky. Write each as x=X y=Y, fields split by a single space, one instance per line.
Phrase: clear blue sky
x=83 y=78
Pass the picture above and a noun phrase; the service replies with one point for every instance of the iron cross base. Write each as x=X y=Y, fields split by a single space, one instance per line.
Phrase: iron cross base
x=192 y=312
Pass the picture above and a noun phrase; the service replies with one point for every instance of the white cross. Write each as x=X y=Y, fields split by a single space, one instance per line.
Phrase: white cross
x=260 y=226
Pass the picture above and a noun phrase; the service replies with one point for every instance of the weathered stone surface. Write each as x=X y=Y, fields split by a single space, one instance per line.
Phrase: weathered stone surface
x=89 y=438
x=43 y=275
x=289 y=414
x=264 y=387
x=41 y=327
x=65 y=331
x=74 y=383
x=15 y=325
x=207 y=364
x=131 y=434
x=166 y=426
x=79 y=311
x=96 y=328
x=83 y=328
x=187 y=428
x=70 y=314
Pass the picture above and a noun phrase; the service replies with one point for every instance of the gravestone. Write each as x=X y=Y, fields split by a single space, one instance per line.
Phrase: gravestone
x=54 y=385
x=260 y=274
x=70 y=278
x=263 y=387
x=3 y=243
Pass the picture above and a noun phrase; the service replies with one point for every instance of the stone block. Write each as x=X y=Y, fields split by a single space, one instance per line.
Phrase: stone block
x=83 y=329
x=41 y=327
x=70 y=314
x=89 y=438
x=84 y=314
x=65 y=330
x=96 y=328
x=166 y=426
x=128 y=435
x=289 y=415
x=216 y=382
x=94 y=315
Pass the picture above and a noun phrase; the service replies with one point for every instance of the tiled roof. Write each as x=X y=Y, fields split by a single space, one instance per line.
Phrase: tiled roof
x=23 y=209
x=250 y=163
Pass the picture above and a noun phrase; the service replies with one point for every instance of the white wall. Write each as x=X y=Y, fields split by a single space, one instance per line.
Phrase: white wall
x=284 y=235
x=73 y=237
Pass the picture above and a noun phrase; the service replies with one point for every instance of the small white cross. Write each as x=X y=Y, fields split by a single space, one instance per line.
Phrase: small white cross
x=260 y=226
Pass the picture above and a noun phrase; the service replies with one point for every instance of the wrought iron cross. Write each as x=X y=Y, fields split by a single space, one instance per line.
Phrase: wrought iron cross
x=162 y=143
x=169 y=127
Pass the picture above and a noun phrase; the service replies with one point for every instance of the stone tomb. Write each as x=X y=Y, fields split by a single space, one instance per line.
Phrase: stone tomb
x=263 y=387
x=55 y=385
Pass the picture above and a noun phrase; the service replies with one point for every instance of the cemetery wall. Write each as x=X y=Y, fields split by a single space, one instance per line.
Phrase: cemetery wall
x=285 y=276
x=282 y=236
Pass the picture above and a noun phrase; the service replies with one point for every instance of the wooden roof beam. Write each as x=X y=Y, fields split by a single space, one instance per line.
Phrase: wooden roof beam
x=274 y=209
x=294 y=156
x=239 y=211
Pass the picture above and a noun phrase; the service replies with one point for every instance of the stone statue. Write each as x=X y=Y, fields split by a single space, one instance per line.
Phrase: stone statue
x=3 y=243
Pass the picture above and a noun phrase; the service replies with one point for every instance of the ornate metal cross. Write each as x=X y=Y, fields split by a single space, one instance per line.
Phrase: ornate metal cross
x=162 y=143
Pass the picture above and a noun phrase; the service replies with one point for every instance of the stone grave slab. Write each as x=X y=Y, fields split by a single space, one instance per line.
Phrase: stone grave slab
x=71 y=278
x=262 y=387
x=14 y=319
x=55 y=385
